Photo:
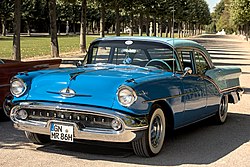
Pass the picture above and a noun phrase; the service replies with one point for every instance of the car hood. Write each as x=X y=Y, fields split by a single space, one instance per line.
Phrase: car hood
x=92 y=85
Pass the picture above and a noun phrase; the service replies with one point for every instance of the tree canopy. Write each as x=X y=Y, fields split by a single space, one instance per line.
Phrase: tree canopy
x=35 y=16
x=232 y=16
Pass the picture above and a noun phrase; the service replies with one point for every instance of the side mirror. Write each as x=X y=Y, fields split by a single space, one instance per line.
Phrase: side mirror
x=187 y=71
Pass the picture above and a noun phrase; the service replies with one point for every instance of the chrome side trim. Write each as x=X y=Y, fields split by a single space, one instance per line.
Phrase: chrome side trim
x=222 y=90
x=169 y=97
x=4 y=85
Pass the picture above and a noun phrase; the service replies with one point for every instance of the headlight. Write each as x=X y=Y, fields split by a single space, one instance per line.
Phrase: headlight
x=126 y=96
x=17 y=87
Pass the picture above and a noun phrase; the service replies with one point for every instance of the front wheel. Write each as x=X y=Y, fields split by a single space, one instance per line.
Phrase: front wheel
x=221 y=114
x=152 y=140
x=37 y=138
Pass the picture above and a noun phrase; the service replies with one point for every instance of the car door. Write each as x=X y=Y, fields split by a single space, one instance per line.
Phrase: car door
x=212 y=95
x=194 y=89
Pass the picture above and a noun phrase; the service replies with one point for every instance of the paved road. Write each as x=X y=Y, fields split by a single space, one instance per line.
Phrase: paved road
x=202 y=144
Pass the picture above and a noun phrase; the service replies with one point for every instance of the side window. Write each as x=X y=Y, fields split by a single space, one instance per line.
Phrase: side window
x=186 y=59
x=201 y=64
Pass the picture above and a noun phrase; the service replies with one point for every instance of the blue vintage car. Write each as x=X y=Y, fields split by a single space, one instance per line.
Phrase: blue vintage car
x=129 y=89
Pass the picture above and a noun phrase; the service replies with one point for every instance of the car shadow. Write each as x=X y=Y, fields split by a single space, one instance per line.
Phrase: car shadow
x=202 y=143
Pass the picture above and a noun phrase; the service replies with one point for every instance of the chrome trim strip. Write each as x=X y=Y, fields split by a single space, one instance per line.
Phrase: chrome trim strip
x=230 y=89
x=169 y=97
x=61 y=93
x=4 y=85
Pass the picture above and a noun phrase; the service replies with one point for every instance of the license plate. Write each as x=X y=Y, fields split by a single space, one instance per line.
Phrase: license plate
x=61 y=132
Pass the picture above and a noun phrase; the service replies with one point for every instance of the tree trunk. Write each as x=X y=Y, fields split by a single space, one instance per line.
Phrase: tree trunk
x=147 y=23
x=59 y=27
x=179 y=29
x=28 y=27
x=117 y=20
x=154 y=32
x=166 y=31
x=140 y=24
x=195 y=29
x=160 y=29
x=83 y=27
x=170 y=28
x=187 y=29
x=87 y=29
x=17 y=26
x=131 y=24
x=192 y=29
x=74 y=27
x=3 y=26
x=102 y=20
x=53 y=29
x=247 y=27
x=161 y=26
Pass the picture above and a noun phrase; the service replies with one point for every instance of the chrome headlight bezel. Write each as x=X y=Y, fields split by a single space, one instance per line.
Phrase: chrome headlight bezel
x=22 y=87
x=129 y=93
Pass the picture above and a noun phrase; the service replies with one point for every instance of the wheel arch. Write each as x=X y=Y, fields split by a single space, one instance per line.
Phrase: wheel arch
x=168 y=112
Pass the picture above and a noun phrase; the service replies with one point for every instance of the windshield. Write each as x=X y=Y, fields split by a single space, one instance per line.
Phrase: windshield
x=132 y=52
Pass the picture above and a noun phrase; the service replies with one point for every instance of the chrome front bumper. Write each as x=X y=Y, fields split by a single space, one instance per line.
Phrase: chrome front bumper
x=131 y=126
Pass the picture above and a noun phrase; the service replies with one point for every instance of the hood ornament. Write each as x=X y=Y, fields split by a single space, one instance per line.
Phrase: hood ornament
x=67 y=92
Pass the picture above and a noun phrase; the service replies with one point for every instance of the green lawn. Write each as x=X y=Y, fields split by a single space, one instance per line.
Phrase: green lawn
x=40 y=46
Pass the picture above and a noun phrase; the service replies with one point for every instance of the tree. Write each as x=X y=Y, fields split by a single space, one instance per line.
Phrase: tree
x=83 y=27
x=6 y=9
x=240 y=11
x=117 y=18
x=102 y=19
x=53 y=29
x=17 y=26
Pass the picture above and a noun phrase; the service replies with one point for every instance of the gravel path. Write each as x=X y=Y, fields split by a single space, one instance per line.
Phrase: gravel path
x=202 y=144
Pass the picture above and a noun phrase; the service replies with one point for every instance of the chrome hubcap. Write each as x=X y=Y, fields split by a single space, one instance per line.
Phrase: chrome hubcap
x=223 y=109
x=156 y=131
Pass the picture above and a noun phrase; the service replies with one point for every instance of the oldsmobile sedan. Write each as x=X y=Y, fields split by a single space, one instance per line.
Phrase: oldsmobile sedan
x=129 y=90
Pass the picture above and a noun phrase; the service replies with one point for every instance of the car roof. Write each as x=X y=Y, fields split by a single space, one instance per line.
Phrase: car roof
x=173 y=42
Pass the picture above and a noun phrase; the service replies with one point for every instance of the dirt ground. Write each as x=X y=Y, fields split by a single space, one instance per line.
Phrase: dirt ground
x=202 y=144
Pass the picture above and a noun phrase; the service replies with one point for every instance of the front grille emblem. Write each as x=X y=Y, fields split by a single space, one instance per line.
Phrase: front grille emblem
x=67 y=92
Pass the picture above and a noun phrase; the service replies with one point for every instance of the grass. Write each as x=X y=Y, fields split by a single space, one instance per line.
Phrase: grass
x=40 y=46
x=33 y=46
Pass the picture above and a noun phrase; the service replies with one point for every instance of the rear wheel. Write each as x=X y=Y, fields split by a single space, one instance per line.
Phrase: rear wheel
x=221 y=114
x=152 y=140
x=37 y=138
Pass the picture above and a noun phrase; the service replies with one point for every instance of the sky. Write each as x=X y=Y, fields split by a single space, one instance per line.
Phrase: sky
x=212 y=4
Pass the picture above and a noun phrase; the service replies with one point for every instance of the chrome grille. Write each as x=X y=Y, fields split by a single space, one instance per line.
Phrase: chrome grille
x=83 y=120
